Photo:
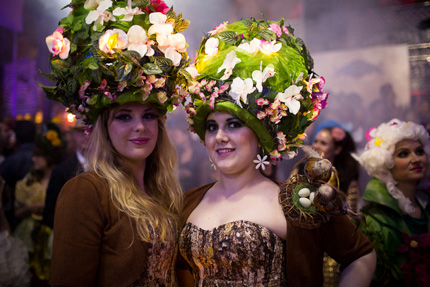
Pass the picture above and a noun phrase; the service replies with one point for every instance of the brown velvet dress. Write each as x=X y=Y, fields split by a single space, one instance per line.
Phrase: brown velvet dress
x=96 y=245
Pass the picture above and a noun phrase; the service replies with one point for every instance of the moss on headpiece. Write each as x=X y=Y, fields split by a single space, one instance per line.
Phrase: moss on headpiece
x=258 y=71
x=107 y=51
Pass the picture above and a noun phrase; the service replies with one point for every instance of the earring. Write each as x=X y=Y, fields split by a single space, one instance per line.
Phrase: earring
x=261 y=162
x=212 y=165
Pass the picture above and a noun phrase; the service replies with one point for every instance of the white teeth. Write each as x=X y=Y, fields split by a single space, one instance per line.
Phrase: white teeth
x=224 y=150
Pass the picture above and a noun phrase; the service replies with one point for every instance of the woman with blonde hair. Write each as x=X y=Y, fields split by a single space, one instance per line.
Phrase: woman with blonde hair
x=117 y=224
x=397 y=211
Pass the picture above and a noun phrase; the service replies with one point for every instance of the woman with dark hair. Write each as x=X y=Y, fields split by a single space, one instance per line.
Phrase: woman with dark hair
x=254 y=93
x=117 y=224
x=337 y=145
x=30 y=196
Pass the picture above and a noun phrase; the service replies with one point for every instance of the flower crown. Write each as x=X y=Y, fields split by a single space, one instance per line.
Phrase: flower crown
x=258 y=71
x=50 y=141
x=108 y=51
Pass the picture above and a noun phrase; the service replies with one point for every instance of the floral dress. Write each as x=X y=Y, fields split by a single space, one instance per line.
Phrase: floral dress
x=239 y=253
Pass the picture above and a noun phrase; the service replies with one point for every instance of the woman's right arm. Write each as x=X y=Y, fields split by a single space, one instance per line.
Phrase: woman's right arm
x=78 y=231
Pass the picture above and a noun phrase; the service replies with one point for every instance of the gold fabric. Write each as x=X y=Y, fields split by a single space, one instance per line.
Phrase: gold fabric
x=246 y=253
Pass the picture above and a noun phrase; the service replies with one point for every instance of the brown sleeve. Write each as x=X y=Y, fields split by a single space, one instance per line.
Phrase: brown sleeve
x=78 y=229
x=341 y=239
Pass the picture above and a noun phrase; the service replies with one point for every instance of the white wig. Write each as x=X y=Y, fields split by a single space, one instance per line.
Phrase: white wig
x=378 y=157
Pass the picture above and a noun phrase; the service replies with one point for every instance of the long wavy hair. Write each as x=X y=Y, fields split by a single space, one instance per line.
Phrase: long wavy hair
x=161 y=207
x=347 y=167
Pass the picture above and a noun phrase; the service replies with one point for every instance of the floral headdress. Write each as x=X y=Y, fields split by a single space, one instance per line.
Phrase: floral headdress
x=108 y=51
x=258 y=71
x=50 y=141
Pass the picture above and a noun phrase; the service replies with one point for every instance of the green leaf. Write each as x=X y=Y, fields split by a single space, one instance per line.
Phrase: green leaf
x=146 y=2
x=267 y=35
x=151 y=69
x=93 y=100
x=77 y=26
x=181 y=24
x=229 y=37
x=123 y=70
x=72 y=86
x=186 y=75
x=50 y=77
x=246 y=22
x=164 y=64
x=132 y=56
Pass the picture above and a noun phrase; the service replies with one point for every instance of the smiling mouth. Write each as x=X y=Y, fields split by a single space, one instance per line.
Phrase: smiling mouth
x=224 y=151
x=417 y=169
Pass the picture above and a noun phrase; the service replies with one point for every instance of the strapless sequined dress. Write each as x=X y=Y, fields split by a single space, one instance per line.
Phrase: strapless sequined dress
x=239 y=253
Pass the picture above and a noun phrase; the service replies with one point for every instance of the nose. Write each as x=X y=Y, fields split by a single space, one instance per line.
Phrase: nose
x=415 y=158
x=139 y=125
x=221 y=136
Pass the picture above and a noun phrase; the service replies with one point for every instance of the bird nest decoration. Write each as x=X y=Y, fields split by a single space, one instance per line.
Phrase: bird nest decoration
x=309 y=200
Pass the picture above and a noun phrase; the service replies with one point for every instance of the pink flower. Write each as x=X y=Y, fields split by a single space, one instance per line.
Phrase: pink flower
x=121 y=86
x=338 y=134
x=285 y=30
x=262 y=102
x=159 y=6
x=261 y=115
x=58 y=45
x=83 y=88
x=221 y=27
x=368 y=136
x=275 y=28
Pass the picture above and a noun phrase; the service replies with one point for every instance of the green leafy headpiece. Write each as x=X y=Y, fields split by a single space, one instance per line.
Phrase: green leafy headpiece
x=108 y=51
x=258 y=71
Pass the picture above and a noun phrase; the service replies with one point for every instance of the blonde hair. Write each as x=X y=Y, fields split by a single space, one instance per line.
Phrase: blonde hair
x=162 y=207
x=378 y=159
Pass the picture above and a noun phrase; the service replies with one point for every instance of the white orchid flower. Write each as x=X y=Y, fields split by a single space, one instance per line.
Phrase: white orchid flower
x=128 y=12
x=113 y=39
x=290 y=97
x=193 y=71
x=92 y=4
x=159 y=26
x=240 y=89
x=58 y=45
x=100 y=15
x=229 y=62
x=268 y=48
x=261 y=76
x=171 y=46
x=252 y=47
x=211 y=47
x=137 y=41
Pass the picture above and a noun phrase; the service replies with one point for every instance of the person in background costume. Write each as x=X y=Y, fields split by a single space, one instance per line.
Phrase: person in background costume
x=397 y=210
x=335 y=144
x=30 y=196
x=253 y=93
x=117 y=65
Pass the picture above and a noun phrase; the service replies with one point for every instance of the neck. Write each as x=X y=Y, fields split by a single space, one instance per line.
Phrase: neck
x=408 y=190
x=233 y=183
